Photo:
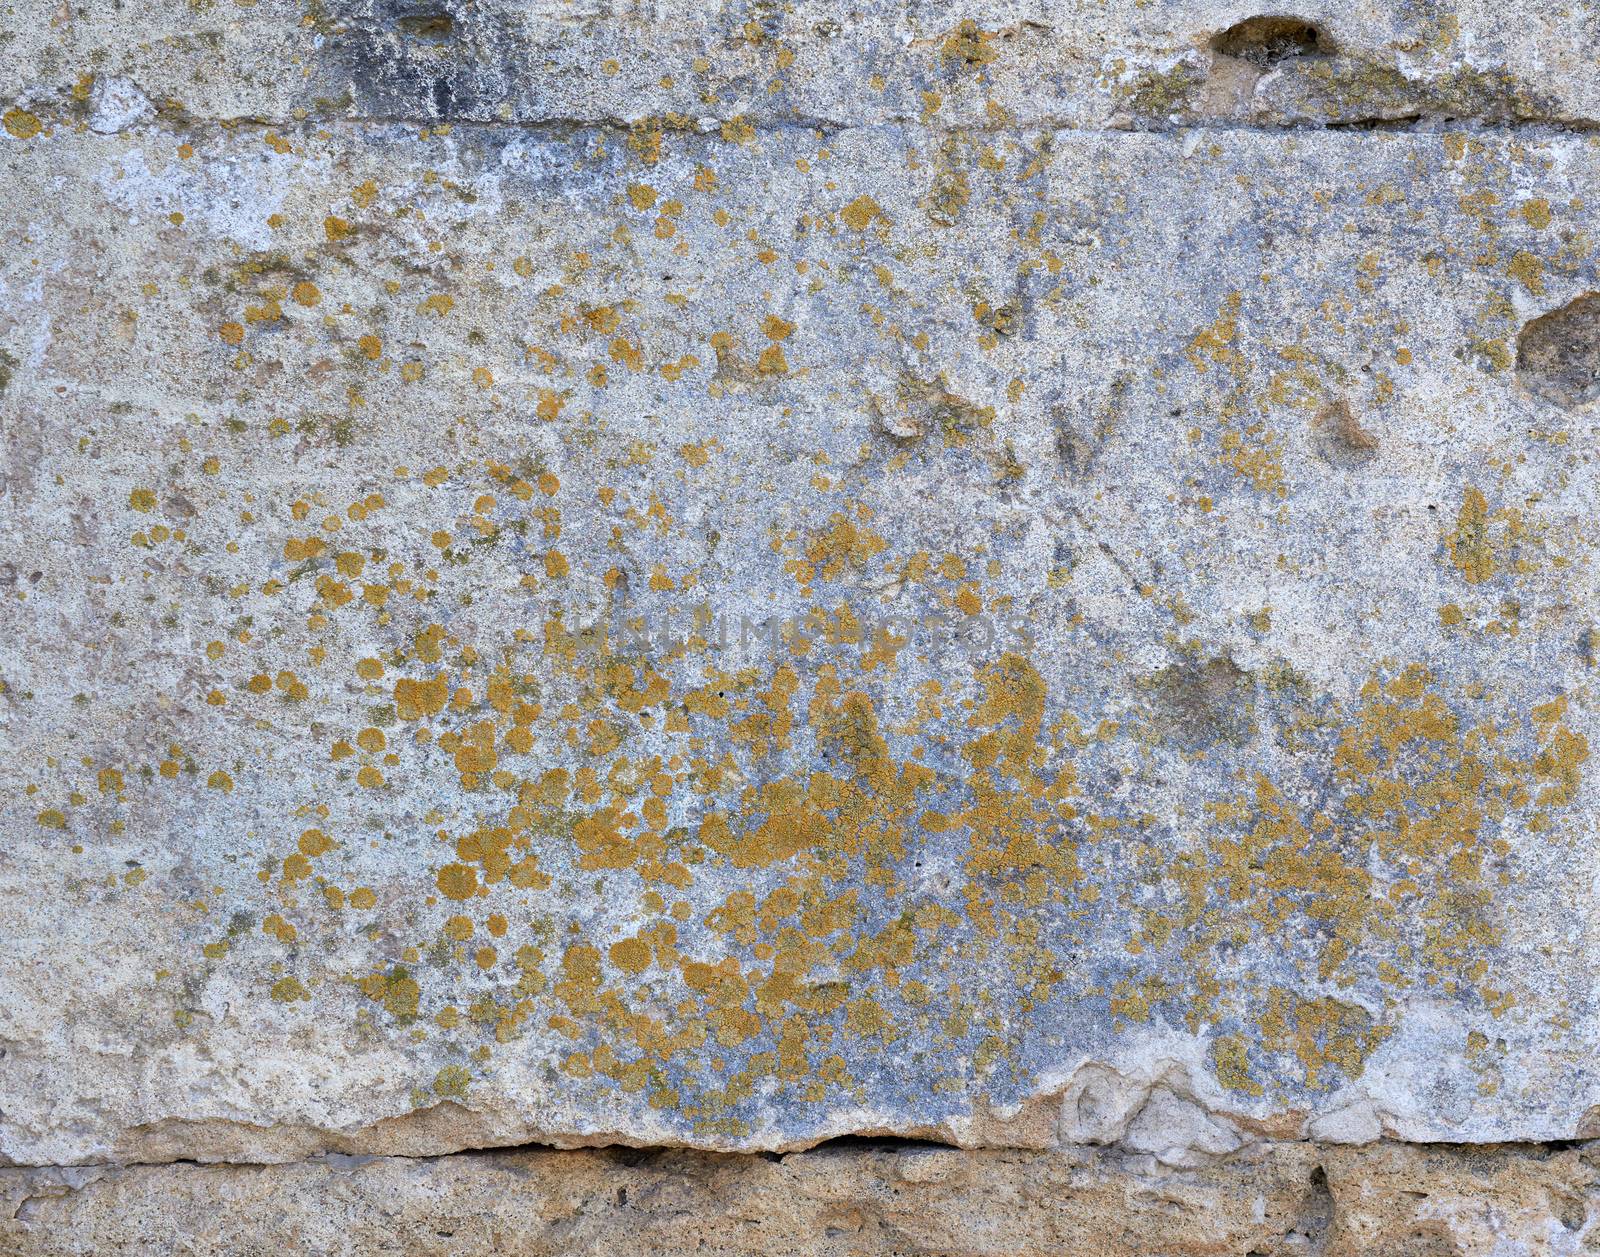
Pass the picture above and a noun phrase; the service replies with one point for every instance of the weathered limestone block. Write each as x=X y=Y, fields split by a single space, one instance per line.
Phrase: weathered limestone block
x=1279 y=1200
x=733 y=579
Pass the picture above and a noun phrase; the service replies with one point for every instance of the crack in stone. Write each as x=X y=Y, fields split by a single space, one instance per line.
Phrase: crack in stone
x=630 y=1153
x=1422 y=123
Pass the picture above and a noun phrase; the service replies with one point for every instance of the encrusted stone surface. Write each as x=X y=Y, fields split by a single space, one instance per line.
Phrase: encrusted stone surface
x=1022 y=577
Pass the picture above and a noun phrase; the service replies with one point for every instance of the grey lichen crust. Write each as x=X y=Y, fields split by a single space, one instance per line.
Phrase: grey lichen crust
x=575 y=576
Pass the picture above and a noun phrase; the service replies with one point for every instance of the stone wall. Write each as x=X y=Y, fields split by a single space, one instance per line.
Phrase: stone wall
x=1278 y=1200
x=929 y=628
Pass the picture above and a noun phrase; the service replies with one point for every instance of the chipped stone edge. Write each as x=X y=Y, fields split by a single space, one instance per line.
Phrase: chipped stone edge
x=1160 y=1116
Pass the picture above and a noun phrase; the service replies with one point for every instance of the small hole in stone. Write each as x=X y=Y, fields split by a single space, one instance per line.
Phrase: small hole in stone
x=1268 y=40
x=1558 y=354
x=434 y=27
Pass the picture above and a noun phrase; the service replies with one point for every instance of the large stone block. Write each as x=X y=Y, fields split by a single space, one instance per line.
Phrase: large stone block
x=999 y=581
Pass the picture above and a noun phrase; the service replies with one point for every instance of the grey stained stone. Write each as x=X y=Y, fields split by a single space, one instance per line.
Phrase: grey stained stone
x=115 y=104
x=586 y=573
x=1558 y=354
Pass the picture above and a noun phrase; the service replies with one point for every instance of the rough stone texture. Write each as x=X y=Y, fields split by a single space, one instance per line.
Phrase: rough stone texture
x=1279 y=1200
x=578 y=573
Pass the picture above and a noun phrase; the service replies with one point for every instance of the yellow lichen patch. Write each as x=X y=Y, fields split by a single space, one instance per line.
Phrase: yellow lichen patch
x=1230 y=1057
x=724 y=989
x=1255 y=455
x=287 y=990
x=1469 y=544
x=396 y=990
x=279 y=928
x=452 y=1081
x=457 y=881
x=859 y=214
x=415 y=700
x=1214 y=343
x=969 y=44
x=631 y=955
x=314 y=843
x=1561 y=757
x=847 y=543
x=1014 y=822
x=20 y=124
x=1321 y=1033
x=738 y=131
x=1527 y=270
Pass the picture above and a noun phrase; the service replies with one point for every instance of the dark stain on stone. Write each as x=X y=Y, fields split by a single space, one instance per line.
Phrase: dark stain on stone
x=927 y=407
x=1082 y=430
x=434 y=61
x=431 y=27
x=1315 y=1218
x=1400 y=122
x=1196 y=705
x=1558 y=354
x=441 y=97
x=8 y=364
x=1076 y=452
x=1266 y=40
x=894 y=1144
x=1339 y=438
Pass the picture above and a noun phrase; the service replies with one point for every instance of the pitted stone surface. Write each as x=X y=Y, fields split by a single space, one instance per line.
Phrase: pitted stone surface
x=998 y=581
x=1278 y=1200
